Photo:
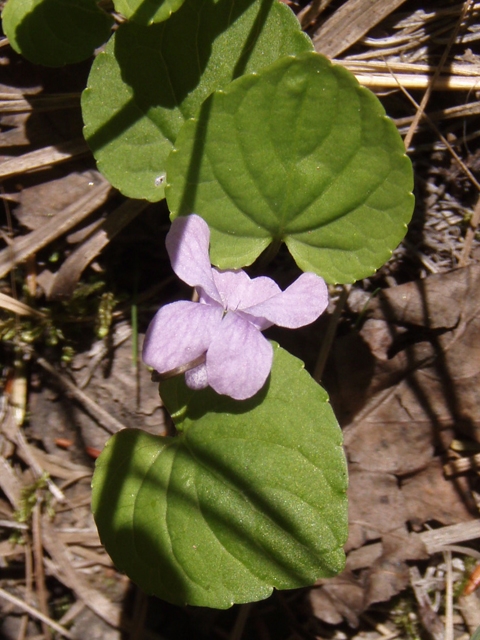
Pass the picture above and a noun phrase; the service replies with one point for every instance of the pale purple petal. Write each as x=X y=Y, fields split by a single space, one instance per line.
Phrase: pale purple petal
x=237 y=289
x=179 y=333
x=197 y=378
x=187 y=245
x=300 y=304
x=239 y=358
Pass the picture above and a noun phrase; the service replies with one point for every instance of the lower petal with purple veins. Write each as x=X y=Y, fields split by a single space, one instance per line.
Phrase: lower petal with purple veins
x=179 y=333
x=239 y=358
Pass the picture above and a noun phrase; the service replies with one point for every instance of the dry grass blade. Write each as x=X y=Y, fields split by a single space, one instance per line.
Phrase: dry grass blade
x=63 y=469
x=418 y=81
x=460 y=70
x=25 y=246
x=447 y=144
x=28 y=586
x=9 y=483
x=20 y=308
x=428 y=615
x=42 y=596
x=16 y=103
x=435 y=540
x=438 y=70
x=461 y=111
x=310 y=13
x=44 y=157
x=71 y=270
x=28 y=454
x=350 y=23
x=64 y=570
x=91 y=558
x=72 y=613
x=23 y=606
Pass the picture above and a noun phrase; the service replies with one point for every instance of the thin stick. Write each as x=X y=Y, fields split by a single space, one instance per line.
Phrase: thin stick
x=34 y=613
x=73 y=612
x=330 y=334
x=39 y=571
x=428 y=92
x=28 y=456
x=382 y=81
x=448 y=597
x=28 y=587
x=455 y=155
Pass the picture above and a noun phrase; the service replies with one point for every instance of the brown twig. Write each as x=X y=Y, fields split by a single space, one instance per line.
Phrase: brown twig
x=104 y=419
x=65 y=572
x=39 y=572
x=448 y=596
x=28 y=587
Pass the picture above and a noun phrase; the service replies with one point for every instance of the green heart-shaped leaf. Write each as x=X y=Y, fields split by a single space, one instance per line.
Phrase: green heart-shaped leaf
x=150 y=79
x=147 y=11
x=299 y=153
x=55 y=32
x=249 y=497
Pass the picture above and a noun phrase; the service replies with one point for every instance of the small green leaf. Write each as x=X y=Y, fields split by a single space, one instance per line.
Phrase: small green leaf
x=55 y=32
x=147 y=11
x=299 y=153
x=151 y=78
x=249 y=497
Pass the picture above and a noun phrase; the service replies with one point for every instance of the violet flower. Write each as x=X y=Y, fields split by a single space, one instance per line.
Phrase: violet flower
x=218 y=340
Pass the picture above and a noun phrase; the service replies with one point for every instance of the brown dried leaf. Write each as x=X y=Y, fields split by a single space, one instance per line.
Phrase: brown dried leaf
x=389 y=574
x=349 y=23
x=40 y=202
x=340 y=597
x=403 y=384
x=429 y=496
x=435 y=350
x=376 y=506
